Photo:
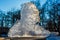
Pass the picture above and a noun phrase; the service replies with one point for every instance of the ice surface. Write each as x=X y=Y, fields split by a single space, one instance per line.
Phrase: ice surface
x=27 y=25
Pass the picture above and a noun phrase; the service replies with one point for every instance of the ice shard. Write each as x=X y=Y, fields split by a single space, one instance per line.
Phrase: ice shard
x=27 y=25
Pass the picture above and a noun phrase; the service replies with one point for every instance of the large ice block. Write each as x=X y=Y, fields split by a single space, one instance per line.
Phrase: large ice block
x=27 y=25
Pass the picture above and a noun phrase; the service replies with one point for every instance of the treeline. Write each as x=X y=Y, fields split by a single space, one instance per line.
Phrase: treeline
x=8 y=19
x=49 y=14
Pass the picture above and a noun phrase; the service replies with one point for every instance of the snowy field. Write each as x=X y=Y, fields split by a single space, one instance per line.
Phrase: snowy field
x=53 y=37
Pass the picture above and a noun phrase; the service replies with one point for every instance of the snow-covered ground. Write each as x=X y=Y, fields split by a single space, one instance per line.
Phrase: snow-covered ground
x=53 y=37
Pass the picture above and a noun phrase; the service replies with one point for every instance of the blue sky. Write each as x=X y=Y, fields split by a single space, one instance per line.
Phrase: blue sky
x=8 y=4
